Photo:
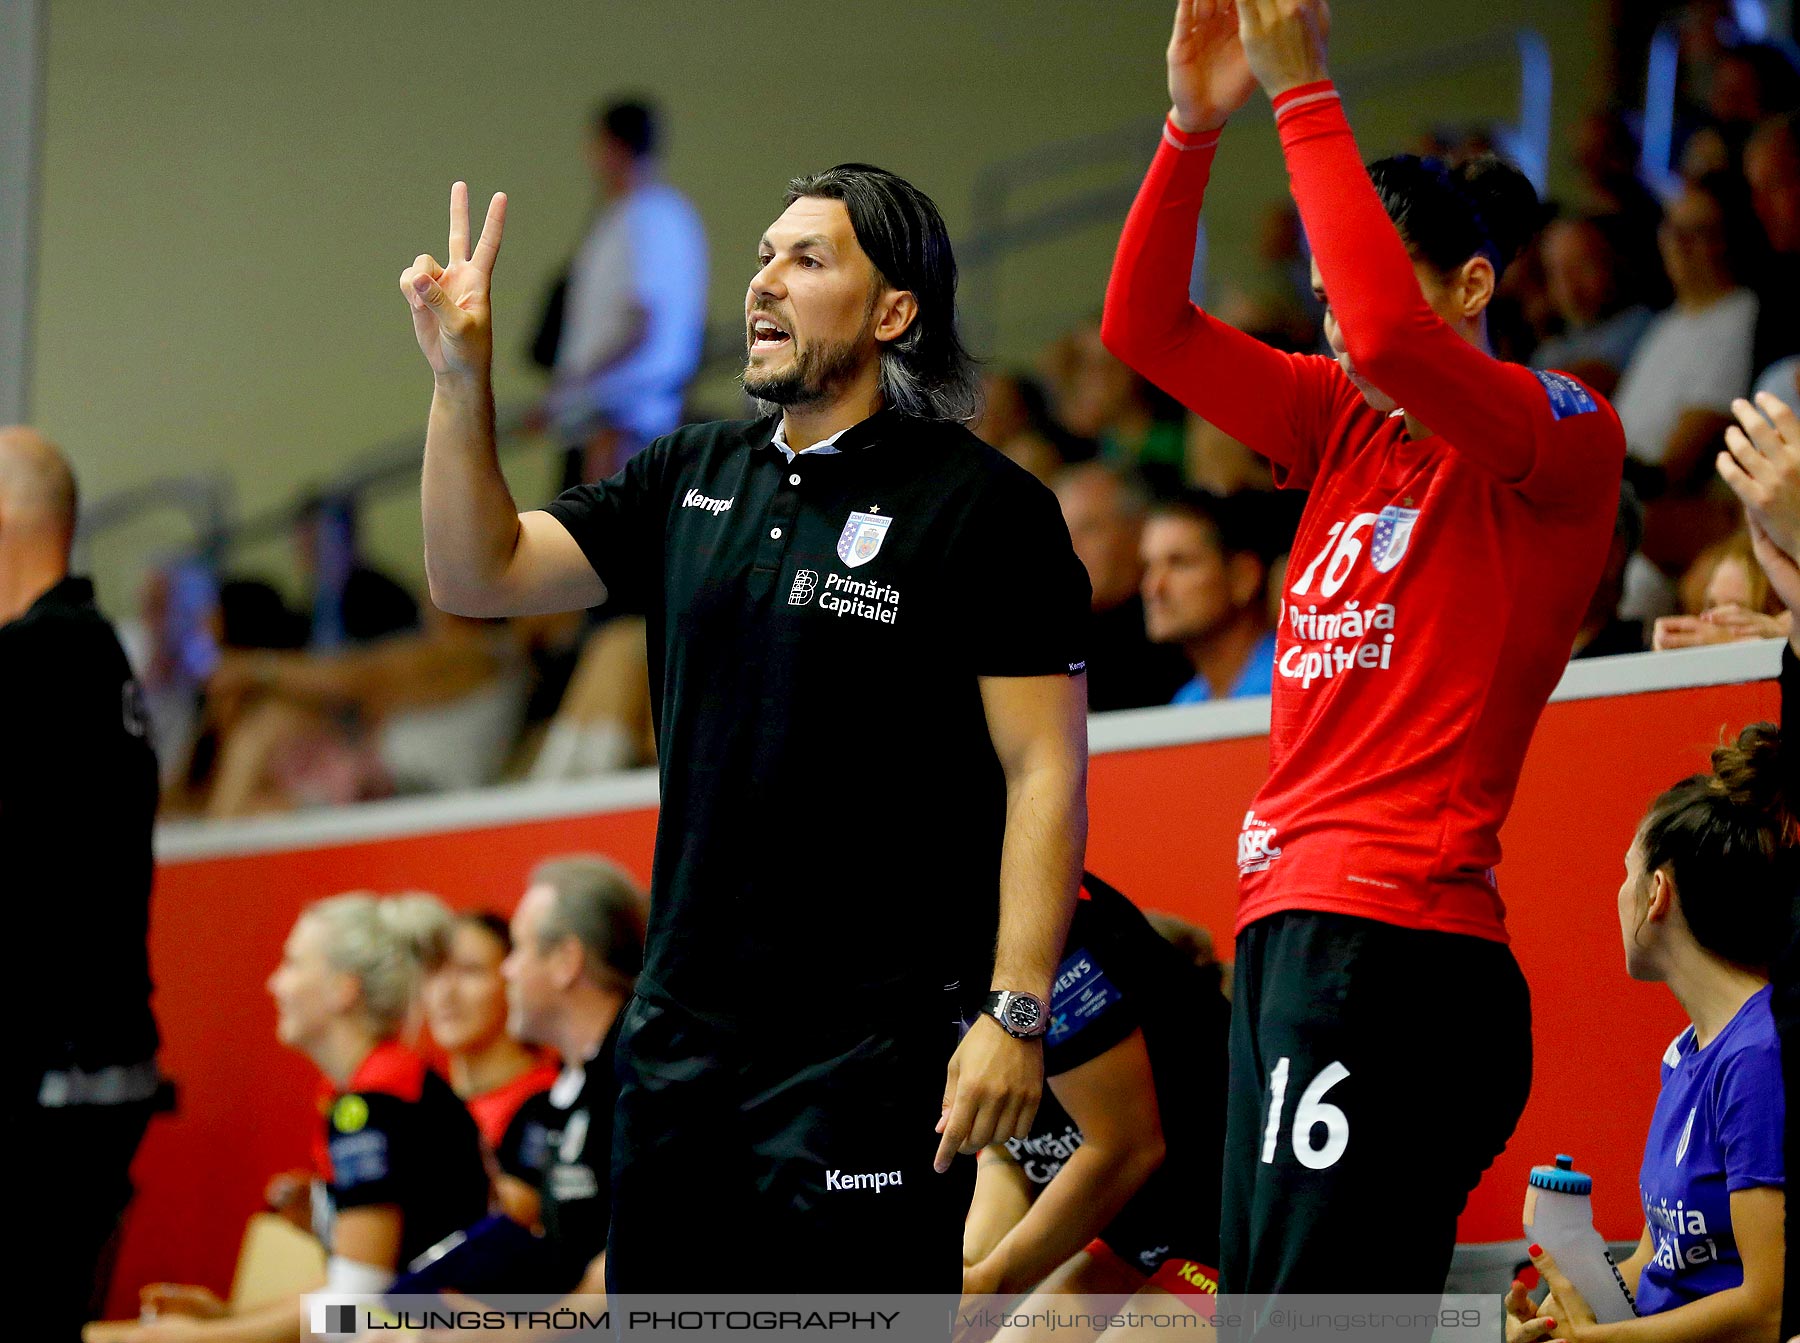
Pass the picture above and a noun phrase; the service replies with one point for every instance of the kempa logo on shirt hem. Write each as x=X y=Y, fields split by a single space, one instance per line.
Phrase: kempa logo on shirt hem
x=878 y=1180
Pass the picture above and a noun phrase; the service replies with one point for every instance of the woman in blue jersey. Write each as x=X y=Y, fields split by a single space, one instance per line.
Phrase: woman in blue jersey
x=1706 y=908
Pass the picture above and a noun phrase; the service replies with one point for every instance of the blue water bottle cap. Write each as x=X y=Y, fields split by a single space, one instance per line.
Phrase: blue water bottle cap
x=1562 y=1178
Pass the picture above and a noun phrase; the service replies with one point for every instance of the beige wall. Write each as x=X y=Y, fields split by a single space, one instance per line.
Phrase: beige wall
x=231 y=189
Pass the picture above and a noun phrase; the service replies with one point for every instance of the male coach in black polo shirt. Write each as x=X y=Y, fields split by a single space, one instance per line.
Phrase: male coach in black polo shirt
x=865 y=659
x=77 y=803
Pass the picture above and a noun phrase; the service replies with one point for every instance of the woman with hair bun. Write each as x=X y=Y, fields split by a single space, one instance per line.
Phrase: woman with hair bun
x=1708 y=904
x=1460 y=513
x=402 y=1159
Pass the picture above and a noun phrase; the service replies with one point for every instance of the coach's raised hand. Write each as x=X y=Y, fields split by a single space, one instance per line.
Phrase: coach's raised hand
x=1284 y=41
x=1209 y=78
x=450 y=309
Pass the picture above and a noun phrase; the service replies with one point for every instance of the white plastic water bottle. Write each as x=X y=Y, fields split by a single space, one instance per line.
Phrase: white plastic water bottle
x=1559 y=1216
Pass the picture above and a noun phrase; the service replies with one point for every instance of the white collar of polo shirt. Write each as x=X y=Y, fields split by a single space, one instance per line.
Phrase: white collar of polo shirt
x=824 y=445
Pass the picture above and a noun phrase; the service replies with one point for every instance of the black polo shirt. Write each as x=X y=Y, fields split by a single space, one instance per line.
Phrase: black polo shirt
x=816 y=631
x=78 y=795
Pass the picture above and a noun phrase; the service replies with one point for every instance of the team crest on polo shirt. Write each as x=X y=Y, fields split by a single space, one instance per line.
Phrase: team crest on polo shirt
x=860 y=541
x=1393 y=531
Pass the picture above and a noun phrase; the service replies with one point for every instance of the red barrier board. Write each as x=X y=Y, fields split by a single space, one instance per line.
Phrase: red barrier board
x=1164 y=821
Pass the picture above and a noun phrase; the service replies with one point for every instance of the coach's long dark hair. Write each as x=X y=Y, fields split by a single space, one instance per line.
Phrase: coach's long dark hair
x=1729 y=840
x=1484 y=207
x=926 y=372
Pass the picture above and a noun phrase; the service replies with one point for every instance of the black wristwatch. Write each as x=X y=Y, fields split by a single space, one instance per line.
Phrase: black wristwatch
x=1021 y=1015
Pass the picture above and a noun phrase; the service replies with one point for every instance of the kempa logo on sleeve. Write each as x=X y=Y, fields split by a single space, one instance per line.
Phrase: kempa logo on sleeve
x=878 y=1180
x=695 y=499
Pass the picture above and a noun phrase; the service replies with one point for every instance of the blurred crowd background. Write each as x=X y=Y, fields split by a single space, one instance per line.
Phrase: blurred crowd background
x=311 y=669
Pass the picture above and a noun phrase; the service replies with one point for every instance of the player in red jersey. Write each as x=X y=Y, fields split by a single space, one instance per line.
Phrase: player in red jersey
x=1459 y=515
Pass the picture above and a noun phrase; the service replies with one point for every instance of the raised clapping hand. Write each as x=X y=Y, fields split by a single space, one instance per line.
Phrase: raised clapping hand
x=1762 y=467
x=1209 y=78
x=1763 y=470
x=1284 y=41
x=450 y=311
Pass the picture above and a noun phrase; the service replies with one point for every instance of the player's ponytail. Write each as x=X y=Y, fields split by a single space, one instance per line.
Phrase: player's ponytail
x=1732 y=846
x=388 y=945
x=1484 y=207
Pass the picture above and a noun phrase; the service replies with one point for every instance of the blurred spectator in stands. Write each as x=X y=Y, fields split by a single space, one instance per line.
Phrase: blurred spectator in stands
x=1782 y=379
x=1219 y=464
x=1135 y=424
x=603 y=723
x=629 y=331
x=351 y=601
x=577 y=949
x=1751 y=82
x=493 y=1073
x=1104 y=506
x=1603 y=632
x=1204 y=589
x=1278 y=305
x=1675 y=397
x=1523 y=313
x=427 y=712
x=1772 y=169
x=1601 y=325
x=1676 y=394
x=173 y=646
x=1606 y=157
x=77 y=804
x=1725 y=597
x=1017 y=420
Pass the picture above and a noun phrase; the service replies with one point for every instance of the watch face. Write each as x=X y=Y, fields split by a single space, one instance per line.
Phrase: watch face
x=1023 y=1014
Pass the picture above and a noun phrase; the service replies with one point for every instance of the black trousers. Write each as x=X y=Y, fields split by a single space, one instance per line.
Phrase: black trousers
x=750 y=1162
x=77 y=1183
x=1376 y=1072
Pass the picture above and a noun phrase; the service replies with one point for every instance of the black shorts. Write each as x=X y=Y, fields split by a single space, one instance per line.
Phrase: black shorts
x=1401 y=1061
x=751 y=1162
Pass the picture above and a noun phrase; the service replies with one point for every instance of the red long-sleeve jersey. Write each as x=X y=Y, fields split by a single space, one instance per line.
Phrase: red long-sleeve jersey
x=1436 y=583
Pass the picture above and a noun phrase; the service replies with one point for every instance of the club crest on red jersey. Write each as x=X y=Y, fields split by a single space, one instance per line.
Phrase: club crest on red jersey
x=1393 y=531
x=860 y=541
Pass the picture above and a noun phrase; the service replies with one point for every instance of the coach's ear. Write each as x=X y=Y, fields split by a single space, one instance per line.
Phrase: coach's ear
x=895 y=312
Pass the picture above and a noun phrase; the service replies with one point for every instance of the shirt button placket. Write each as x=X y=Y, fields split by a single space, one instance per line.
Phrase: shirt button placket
x=783 y=509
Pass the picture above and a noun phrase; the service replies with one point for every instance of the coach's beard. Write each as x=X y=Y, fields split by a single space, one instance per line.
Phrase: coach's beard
x=814 y=377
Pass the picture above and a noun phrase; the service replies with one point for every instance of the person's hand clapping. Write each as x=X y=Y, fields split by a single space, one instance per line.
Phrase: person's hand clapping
x=450 y=309
x=1762 y=467
x=1209 y=78
x=1721 y=625
x=1284 y=41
